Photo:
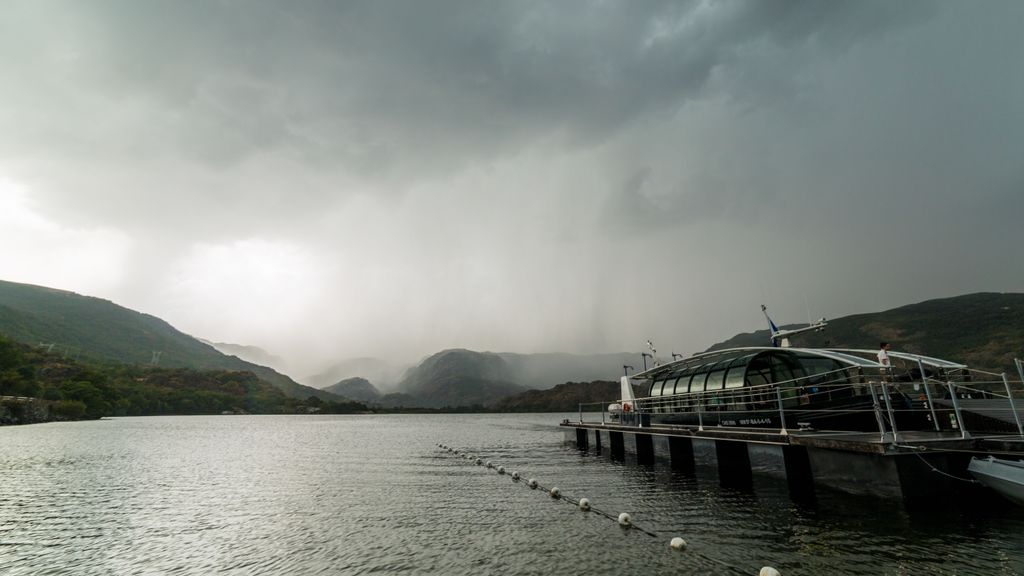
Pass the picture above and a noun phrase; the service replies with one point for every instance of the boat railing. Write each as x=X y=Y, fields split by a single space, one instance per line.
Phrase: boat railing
x=975 y=399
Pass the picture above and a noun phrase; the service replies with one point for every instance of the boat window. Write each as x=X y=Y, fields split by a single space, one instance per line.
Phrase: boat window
x=734 y=378
x=785 y=370
x=820 y=370
x=714 y=381
x=782 y=371
x=716 y=376
x=697 y=381
x=656 y=390
x=759 y=371
x=682 y=384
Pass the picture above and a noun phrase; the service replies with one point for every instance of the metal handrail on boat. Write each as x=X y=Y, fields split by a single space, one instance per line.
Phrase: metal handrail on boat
x=975 y=399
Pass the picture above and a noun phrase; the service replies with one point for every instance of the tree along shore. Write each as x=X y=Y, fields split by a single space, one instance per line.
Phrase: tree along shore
x=40 y=386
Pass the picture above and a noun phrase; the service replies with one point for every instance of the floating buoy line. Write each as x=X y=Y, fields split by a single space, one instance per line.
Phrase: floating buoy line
x=624 y=519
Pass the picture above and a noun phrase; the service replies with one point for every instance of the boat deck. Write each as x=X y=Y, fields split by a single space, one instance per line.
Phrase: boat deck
x=866 y=442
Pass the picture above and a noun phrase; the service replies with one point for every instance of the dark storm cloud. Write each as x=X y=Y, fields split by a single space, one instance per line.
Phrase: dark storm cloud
x=509 y=160
x=408 y=88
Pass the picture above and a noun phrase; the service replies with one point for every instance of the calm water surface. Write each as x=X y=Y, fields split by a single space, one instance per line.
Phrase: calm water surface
x=374 y=495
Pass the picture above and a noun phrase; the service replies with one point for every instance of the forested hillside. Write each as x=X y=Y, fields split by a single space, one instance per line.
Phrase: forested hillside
x=82 y=326
x=983 y=330
x=563 y=398
x=69 y=389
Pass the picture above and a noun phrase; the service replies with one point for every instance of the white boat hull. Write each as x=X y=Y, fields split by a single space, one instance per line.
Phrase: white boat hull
x=1004 y=476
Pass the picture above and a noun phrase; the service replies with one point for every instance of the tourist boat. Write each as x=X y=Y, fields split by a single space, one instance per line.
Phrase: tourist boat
x=783 y=387
x=768 y=387
x=1004 y=476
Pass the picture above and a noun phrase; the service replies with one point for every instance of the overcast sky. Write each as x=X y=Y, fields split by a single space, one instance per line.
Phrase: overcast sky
x=329 y=180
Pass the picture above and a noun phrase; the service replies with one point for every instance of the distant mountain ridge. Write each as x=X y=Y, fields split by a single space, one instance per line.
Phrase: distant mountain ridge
x=252 y=354
x=562 y=398
x=358 y=389
x=459 y=377
x=545 y=370
x=495 y=374
x=97 y=328
x=983 y=330
x=378 y=371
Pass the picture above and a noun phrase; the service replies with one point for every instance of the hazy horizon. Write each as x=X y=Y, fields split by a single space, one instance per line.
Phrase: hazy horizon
x=367 y=179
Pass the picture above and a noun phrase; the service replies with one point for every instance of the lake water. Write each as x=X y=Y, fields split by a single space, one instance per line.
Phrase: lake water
x=275 y=495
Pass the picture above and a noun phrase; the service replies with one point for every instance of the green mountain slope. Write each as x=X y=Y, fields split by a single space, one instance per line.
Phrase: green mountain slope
x=984 y=330
x=95 y=328
x=251 y=354
x=358 y=389
x=67 y=389
x=460 y=378
x=563 y=398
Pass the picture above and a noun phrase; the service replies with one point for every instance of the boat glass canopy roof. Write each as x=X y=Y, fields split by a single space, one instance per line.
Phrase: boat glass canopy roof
x=720 y=359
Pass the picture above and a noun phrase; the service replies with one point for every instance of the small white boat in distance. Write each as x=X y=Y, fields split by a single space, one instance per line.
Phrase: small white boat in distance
x=1004 y=476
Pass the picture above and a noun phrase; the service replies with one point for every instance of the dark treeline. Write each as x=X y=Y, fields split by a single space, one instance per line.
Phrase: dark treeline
x=68 y=389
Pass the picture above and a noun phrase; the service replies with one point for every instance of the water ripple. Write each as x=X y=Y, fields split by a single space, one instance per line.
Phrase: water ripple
x=374 y=495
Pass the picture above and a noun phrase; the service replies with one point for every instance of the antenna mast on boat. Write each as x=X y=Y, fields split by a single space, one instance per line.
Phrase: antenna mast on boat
x=653 y=354
x=781 y=337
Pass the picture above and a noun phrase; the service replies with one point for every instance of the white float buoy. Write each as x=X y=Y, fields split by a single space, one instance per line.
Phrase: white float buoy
x=584 y=504
x=532 y=484
x=555 y=493
x=479 y=462
x=501 y=469
x=768 y=571
x=678 y=543
x=490 y=464
x=625 y=519
x=515 y=476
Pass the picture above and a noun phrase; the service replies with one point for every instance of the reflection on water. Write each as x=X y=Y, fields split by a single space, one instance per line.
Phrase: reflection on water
x=373 y=494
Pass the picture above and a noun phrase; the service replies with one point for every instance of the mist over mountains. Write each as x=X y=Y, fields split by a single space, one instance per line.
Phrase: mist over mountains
x=985 y=330
x=252 y=354
x=100 y=329
x=460 y=377
x=382 y=373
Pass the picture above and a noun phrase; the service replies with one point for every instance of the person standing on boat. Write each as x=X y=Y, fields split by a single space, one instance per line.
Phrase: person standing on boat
x=883 y=359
